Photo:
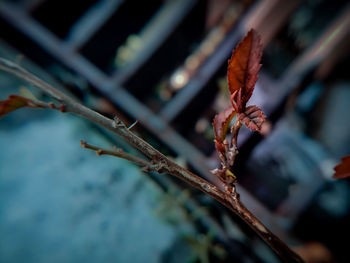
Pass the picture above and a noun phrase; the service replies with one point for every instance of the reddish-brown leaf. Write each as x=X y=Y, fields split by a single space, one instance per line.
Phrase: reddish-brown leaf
x=342 y=170
x=252 y=117
x=221 y=123
x=243 y=68
x=15 y=102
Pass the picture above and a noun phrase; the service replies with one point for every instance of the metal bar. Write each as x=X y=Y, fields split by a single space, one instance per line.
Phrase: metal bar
x=99 y=79
x=268 y=17
x=154 y=34
x=252 y=19
x=91 y=22
x=333 y=36
x=187 y=93
x=326 y=44
x=49 y=42
x=8 y=52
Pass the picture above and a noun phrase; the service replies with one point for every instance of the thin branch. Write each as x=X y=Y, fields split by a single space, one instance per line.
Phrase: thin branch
x=146 y=166
x=230 y=200
x=117 y=153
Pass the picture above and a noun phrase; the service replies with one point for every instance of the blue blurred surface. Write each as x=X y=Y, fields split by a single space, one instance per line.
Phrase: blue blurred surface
x=61 y=203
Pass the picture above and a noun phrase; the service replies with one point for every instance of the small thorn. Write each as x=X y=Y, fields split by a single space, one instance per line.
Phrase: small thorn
x=120 y=150
x=99 y=152
x=132 y=125
x=117 y=123
x=51 y=105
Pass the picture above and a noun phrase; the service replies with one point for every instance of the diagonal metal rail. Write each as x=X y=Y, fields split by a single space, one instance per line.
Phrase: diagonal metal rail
x=102 y=82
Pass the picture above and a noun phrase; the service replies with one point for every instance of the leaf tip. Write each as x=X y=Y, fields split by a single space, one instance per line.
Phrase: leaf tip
x=244 y=66
x=342 y=170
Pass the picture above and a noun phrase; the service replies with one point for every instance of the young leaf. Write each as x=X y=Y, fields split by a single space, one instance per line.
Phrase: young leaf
x=252 y=117
x=15 y=102
x=243 y=68
x=221 y=123
x=342 y=170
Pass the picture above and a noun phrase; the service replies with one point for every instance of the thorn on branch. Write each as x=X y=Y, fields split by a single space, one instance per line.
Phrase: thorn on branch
x=117 y=123
x=157 y=166
x=132 y=125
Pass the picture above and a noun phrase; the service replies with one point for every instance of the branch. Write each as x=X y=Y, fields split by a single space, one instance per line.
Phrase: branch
x=117 y=153
x=146 y=166
x=230 y=200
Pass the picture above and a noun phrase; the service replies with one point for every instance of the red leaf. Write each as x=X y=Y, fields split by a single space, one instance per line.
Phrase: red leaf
x=342 y=170
x=252 y=117
x=15 y=102
x=221 y=123
x=243 y=68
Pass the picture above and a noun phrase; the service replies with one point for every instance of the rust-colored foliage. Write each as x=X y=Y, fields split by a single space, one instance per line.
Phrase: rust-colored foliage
x=243 y=68
x=15 y=102
x=252 y=117
x=221 y=124
x=242 y=74
x=342 y=170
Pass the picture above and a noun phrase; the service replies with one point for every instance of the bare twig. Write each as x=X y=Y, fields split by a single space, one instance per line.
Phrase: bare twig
x=146 y=166
x=163 y=164
x=117 y=153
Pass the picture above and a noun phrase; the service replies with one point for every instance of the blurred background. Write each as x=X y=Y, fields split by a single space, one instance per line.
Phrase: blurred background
x=163 y=63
